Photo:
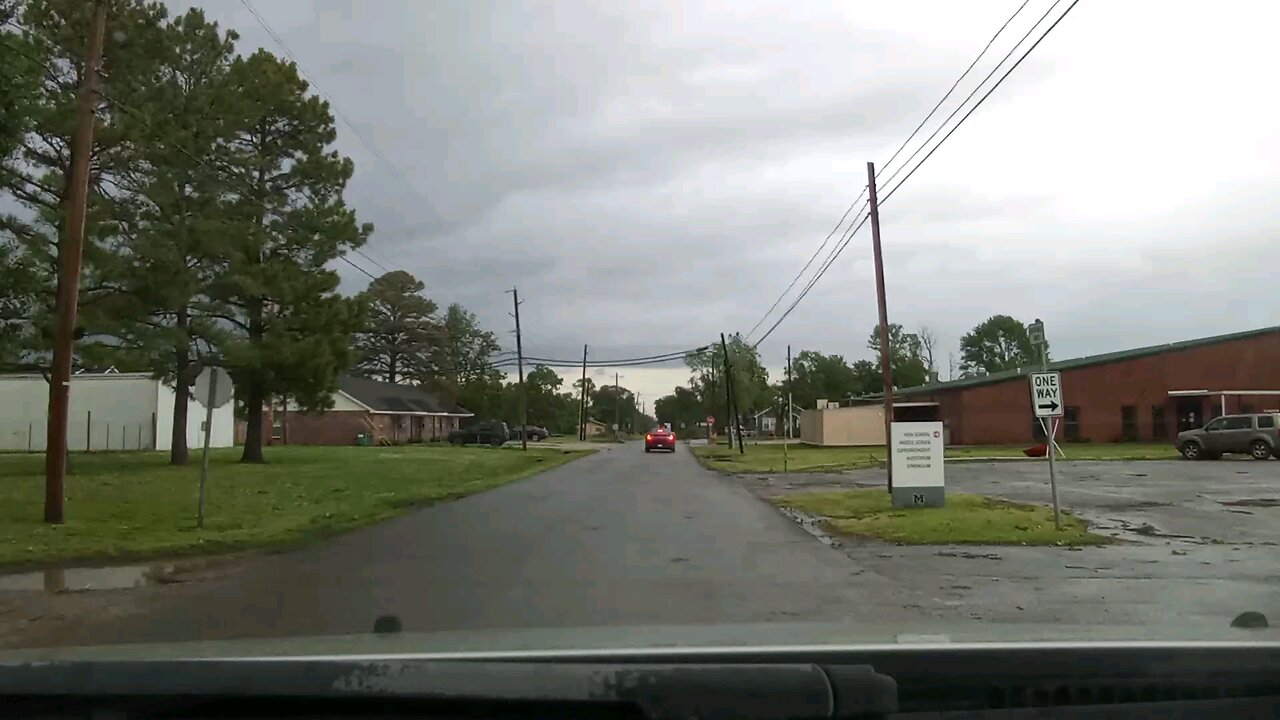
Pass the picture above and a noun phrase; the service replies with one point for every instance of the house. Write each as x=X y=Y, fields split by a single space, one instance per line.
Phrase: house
x=1148 y=393
x=389 y=412
x=108 y=411
x=595 y=427
x=766 y=422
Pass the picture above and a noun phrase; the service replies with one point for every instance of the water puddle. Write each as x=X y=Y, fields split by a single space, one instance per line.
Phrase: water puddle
x=81 y=579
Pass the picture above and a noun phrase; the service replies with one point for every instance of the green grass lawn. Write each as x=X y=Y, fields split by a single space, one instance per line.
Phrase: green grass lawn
x=134 y=505
x=767 y=457
x=966 y=519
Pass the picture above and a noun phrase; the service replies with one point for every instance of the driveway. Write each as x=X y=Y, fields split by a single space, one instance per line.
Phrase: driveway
x=622 y=537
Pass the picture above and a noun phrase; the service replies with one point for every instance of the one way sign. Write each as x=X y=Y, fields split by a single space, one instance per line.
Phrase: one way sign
x=1046 y=394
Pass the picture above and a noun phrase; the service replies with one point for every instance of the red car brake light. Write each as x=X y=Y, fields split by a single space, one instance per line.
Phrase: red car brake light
x=673 y=436
x=648 y=437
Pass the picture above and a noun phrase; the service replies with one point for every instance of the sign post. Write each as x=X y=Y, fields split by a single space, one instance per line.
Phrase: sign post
x=916 y=452
x=213 y=388
x=1047 y=404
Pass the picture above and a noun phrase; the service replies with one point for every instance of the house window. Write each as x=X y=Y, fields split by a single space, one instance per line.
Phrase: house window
x=1129 y=423
x=1071 y=422
x=1158 y=429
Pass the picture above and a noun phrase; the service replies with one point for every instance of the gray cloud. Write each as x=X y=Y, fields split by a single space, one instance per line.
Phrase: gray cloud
x=652 y=174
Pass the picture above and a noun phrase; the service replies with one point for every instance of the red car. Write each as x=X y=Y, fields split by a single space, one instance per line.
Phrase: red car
x=660 y=439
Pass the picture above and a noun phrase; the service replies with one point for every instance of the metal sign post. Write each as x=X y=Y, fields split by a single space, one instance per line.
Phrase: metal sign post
x=213 y=387
x=1047 y=404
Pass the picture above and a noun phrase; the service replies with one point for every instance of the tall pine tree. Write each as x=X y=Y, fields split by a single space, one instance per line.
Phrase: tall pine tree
x=401 y=341
x=291 y=332
x=171 y=216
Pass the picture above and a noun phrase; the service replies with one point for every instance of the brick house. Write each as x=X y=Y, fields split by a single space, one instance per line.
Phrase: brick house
x=1147 y=394
x=390 y=412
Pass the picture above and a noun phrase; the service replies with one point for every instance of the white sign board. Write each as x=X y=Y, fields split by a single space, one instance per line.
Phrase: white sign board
x=1046 y=394
x=917 y=454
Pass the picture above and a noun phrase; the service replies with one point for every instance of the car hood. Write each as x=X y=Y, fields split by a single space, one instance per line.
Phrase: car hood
x=598 y=641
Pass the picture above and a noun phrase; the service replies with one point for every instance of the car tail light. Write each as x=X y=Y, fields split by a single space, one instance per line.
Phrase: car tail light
x=648 y=437
x=673 y=436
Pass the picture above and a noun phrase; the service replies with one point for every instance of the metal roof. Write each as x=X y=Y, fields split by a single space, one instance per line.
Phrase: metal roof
x=1081 y=362
x=388 y=397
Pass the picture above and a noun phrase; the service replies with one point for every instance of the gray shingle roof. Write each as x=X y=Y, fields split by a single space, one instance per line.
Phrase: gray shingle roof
x=394 y=398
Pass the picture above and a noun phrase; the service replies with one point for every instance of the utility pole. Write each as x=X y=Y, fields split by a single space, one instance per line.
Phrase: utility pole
x=787 y=441
x=70 y=247
x=728 y=397
x=617 y=400
x=885 y=372
x=731 y=397
x=524 y=419
x=582 y=405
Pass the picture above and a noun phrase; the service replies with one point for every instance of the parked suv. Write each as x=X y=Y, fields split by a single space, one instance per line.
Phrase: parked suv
x=493 y=432
x=1257 y=434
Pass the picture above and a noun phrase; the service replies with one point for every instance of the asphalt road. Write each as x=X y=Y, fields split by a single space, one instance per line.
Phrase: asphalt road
x=619 y=538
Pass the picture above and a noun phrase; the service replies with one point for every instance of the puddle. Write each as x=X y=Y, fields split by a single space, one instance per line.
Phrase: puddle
x=80 y=579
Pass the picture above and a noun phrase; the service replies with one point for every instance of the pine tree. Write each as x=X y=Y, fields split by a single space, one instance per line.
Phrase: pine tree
x=401 y=342
x=291 y=333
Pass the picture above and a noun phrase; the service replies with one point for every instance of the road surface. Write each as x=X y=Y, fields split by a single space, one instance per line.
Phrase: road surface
x=621 y=537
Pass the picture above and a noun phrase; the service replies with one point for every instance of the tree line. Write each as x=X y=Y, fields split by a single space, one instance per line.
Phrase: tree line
x=998 y=343
x=216 y=215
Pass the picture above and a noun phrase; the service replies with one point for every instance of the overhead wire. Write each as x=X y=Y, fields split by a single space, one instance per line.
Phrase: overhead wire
x=978 y=87
x=976 y=105
x=840 y=249
x=812 y=257
x=337 y=111
x=954 y=85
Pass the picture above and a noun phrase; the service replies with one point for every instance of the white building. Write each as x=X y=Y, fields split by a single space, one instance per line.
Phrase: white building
x=109 y=411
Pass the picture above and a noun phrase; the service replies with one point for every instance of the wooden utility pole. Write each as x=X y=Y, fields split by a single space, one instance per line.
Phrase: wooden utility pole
x=582 y=404
x=787 y=441
x=524 y=405
x=731 y=398
x=617 y=401
x=886 y=373
x=70 y=247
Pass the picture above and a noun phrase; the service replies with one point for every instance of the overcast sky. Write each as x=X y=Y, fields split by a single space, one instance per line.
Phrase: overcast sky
x=652 y=174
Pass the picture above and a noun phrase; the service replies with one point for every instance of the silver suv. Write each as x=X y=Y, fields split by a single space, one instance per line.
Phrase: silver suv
x=1257 y=434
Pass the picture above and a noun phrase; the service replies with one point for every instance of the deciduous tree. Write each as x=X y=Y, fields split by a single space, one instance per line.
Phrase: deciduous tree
x=905 y=355
x=998 y=343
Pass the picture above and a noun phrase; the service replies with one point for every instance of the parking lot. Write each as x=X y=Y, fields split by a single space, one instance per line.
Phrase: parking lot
x=1195 y=542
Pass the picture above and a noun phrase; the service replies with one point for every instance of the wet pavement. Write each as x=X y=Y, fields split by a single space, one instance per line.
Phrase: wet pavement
x=625 y=538
x=621 y=537
x=1185 y=551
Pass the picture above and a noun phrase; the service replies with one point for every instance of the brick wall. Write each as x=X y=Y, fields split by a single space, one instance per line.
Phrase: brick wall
x=335 y=427
x=1000 y=413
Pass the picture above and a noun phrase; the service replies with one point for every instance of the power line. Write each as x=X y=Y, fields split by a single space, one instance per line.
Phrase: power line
x=893 y=157
x=953 y=87
x=814 y=281
x=815 y=254
x=368 y=144
x=983 y=98
x=978 y=87
x=840 y=249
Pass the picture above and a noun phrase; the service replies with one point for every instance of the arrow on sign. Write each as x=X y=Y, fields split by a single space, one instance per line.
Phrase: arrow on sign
x=1051 y=407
